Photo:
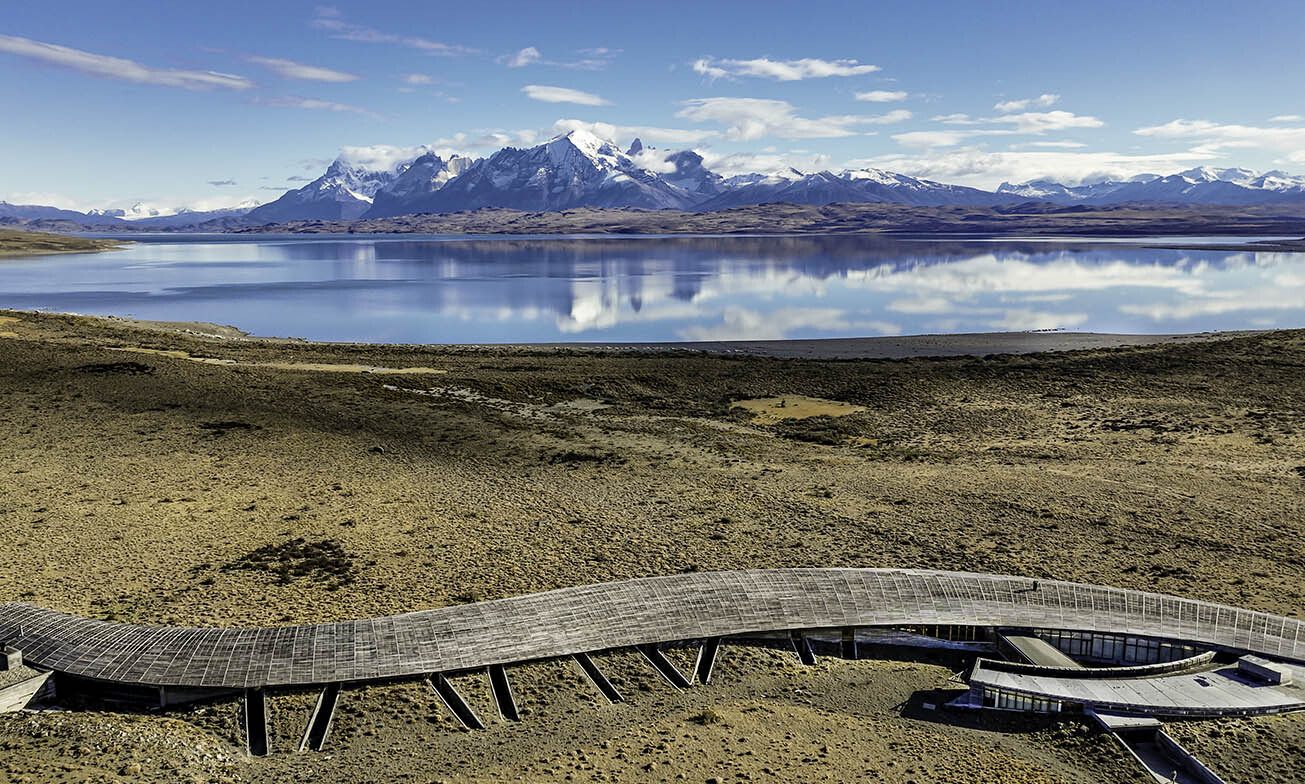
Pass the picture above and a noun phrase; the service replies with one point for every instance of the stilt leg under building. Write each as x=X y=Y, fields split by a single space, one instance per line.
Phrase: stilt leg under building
x=849 y=644
x=502 y=692
x=663 y=666
x=597 y=678
x=803 y=648
x=319 y=723
x=706 y=659
x=256 y=722
x=454 y=702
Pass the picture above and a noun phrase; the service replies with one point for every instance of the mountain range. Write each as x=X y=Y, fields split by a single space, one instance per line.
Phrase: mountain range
x=580 y=169
x=1202 y=185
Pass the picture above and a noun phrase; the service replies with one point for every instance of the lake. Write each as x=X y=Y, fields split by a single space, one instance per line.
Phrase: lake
x=420 y=289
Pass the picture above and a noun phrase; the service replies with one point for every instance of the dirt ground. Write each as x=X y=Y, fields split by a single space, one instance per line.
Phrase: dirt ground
x=273 y=486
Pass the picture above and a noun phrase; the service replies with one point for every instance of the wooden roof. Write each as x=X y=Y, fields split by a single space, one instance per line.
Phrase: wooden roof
x=618 y=614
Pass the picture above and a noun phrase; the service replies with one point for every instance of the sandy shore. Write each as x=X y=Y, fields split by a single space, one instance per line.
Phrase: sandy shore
x=907 y=346
x=140 y=483
x=891 y=347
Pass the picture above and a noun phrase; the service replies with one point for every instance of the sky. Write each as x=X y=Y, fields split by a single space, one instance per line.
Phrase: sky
x=211 y=104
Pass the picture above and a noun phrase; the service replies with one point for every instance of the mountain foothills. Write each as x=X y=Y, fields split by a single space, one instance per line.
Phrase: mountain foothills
x=582 y=170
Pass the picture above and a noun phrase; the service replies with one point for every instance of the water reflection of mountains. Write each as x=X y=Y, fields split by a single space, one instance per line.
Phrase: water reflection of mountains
x=810 y=256
x=441 y=289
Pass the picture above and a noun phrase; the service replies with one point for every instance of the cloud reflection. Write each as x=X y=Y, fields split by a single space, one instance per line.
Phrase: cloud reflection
x=627 y=289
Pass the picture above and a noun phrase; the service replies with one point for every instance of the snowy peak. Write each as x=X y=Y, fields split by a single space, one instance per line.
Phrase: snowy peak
x=580 y=168
x=1201 y=185
x=423 y=176
x=1206 y=174
x=599 y=151
x=849 y=185
x=344 y=192
x=574 y=169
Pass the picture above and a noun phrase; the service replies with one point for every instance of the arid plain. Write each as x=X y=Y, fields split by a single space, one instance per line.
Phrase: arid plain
x=187 y=474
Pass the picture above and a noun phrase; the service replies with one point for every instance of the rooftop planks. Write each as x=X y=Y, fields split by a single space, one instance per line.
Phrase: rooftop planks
x=618 y=614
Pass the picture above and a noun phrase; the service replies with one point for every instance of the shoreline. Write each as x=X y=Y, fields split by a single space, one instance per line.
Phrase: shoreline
x=1236 y=241
x=921 y=346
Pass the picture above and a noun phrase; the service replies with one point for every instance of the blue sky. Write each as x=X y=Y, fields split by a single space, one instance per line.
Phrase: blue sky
x=207 y=104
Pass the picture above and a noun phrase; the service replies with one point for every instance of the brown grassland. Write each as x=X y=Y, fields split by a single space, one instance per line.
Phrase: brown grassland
x=138 y=484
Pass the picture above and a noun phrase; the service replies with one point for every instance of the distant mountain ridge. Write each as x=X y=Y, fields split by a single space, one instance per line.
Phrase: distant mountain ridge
x=1202 y=185
x=581 y=169
x=125 y=218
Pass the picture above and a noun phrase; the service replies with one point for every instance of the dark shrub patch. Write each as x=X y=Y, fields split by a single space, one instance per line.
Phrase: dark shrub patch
x=572 y=457
x=117 y=368
x=827 y=430
x=222 y=428
x=324 y=561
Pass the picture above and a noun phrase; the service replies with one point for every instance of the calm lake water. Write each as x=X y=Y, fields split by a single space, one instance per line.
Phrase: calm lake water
x=537 y=289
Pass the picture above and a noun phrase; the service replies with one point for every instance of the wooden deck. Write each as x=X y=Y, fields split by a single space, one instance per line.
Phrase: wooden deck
x=613 y=615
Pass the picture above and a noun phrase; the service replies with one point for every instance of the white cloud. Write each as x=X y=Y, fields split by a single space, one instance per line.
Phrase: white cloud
x=1033 y=123
x=299 y=102
x=1046 y=99
x=107 y=67
x=416 y=78
x=1041 y=122
x=1054 y=145
x=931 y=138
x=1287 y=118
x=984 y=169
x=522 y=58
x=773 y=162
x=627 y=133
x=379 y=157
x=330 y=19
x=754 y=118
x=459 y=142
x=653 y=160
x=958 y=119
x=292 y=70
x=592 y=59
x=882 y=96
x=549 y=94
x=781 y=70
x=1210 y=137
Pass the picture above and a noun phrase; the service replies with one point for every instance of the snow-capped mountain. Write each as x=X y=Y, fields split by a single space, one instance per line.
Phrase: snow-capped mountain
x=1202 y=185
x=134 y=212
x=851 y=185
x=581 y=169
x=427 y=174
x=576 y=169
x=185 y=216
x=344 y=192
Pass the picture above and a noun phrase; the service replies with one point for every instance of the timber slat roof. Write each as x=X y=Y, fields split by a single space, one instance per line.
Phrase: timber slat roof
x=618 y=614
x=1210 y=692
